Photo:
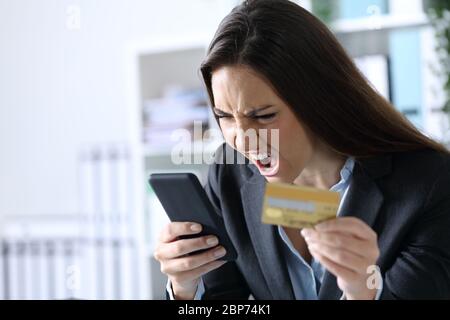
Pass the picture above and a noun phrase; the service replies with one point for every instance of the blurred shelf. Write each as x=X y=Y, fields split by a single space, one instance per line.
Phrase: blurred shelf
x=371 y=35
x=380 y=23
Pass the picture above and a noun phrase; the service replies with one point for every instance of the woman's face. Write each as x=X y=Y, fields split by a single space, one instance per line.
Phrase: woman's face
x=244 y=101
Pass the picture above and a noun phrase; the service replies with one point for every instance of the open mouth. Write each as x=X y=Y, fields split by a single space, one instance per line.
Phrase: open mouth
x=266 y=163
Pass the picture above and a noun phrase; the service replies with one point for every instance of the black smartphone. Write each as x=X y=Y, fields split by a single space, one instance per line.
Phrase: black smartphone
x=184 y=200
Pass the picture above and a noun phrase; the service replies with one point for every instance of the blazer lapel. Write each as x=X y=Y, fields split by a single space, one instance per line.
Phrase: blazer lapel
x=363 y=200
x=265 y=240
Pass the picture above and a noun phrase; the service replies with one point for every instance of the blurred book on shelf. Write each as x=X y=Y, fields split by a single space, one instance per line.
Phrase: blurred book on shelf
x=177 y=109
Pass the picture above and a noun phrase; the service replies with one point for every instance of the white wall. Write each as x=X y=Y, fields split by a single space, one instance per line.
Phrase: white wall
x=62 y=88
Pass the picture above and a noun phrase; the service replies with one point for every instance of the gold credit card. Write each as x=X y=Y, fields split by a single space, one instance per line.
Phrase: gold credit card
x=298 y=207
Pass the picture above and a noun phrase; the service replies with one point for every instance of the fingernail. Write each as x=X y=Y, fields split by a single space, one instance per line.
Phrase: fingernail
x=196 y=227
x=220 y=252
x=212 y=241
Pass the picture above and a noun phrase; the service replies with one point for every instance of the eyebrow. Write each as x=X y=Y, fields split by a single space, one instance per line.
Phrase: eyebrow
x=252 y=113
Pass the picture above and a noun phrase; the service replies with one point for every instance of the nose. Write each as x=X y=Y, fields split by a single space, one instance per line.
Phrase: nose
x=245 y=137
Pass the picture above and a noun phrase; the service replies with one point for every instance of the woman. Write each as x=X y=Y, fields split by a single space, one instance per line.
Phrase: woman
x=272 y=65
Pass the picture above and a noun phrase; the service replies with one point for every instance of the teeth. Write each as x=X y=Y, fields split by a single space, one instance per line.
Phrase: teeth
x=265 y=161
x=262 y=156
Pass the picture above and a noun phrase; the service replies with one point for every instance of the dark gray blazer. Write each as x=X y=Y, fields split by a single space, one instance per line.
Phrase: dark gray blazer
x=404 y=197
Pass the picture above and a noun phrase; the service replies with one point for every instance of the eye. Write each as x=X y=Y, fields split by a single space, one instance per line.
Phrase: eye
x=266 y=116
x=223 y=115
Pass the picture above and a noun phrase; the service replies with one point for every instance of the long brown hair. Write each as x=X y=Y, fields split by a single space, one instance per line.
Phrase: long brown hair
x=312 y=73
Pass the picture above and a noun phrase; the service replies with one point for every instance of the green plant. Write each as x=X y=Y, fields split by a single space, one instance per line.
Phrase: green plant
x=439 y=14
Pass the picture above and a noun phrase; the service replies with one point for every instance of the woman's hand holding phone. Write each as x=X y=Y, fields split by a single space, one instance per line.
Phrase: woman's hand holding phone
x=183 y=268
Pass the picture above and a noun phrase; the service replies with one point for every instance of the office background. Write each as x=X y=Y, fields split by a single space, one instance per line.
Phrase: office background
x=90 y=93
